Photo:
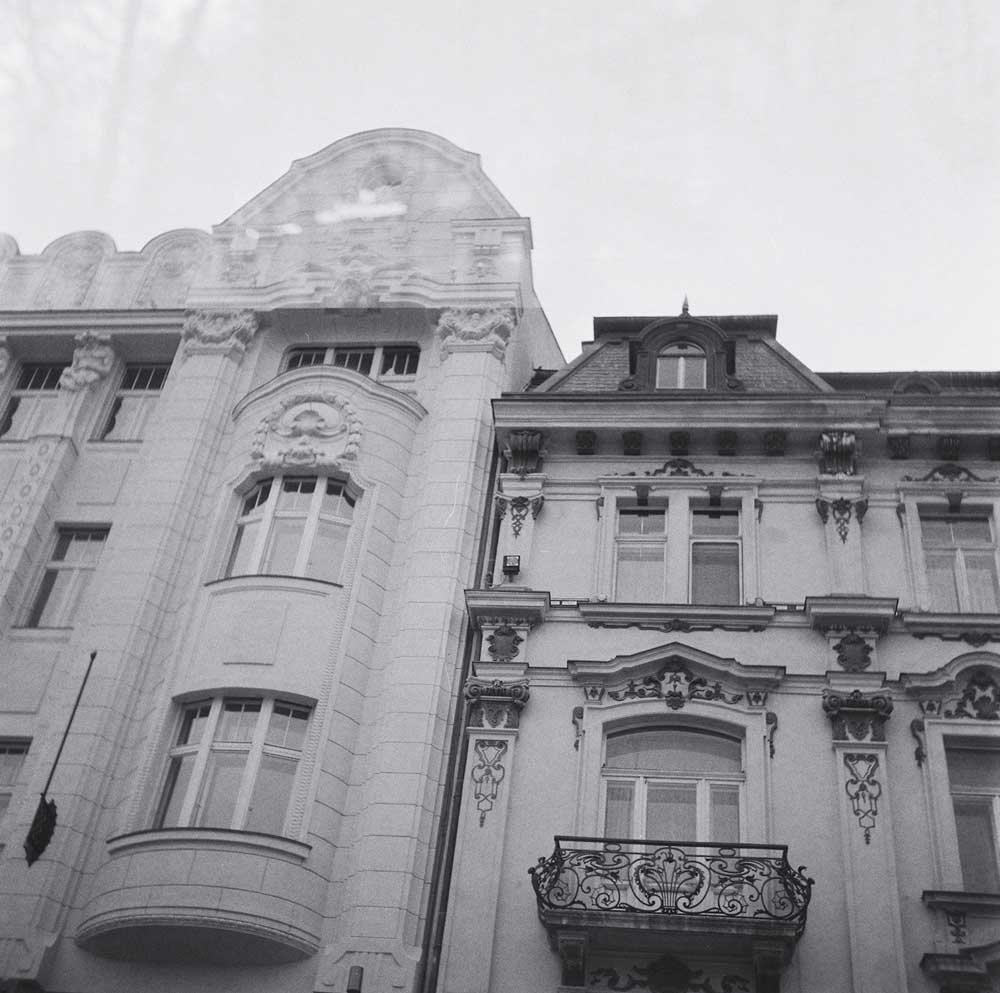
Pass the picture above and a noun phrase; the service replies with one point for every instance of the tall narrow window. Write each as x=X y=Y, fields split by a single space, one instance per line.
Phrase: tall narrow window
x=293 y=526
x=974 y=777
x=640 y=553
x=961 y=556
x=134 y=401
x=35 y=393
x=715 y=555
x=12 y=755
x=233 y=764
x=73 y=561
x=681 y=366
x=673 y=784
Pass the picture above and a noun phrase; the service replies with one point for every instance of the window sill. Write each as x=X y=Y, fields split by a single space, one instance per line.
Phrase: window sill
x=219 y=839
x=677 y=617
x=981 y=904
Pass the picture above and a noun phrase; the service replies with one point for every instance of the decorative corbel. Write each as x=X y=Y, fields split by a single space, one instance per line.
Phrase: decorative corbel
x=519 y=508
x=857 y=717
x=837 y=453
x=524 y=451
x=93 y=359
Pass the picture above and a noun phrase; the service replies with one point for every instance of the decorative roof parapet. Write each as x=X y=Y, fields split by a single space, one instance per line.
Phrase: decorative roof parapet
x=857 y=717
x=93 y=359
x=226 y=332
x=493 y=703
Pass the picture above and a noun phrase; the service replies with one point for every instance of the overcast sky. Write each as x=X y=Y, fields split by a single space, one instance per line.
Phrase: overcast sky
x=836 y=162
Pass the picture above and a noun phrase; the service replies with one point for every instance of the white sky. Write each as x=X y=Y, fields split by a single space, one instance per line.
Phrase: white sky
x=836 y=162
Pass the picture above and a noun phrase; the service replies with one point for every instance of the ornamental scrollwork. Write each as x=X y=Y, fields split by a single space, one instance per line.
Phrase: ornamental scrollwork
x=491 y=326
x=675 y=684
x=980 y=700
x=949 y=472
x=519 y=508
x=863 y=789
x=494 y=703
x=308 y=430
x=502 y=643
x=92 y=361
x=857 y=717
x=854 y=654
x=523 y=451
x=667 y=975
x=487 y=774
x=228 y=332
x=841 y=508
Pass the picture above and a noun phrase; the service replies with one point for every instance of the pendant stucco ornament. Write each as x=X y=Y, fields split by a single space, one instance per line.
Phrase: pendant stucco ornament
x=92 y=361
x=309 y=430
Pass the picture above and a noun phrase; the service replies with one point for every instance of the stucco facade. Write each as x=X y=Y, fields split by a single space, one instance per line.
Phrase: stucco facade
x=249 y=468
x=740 y=655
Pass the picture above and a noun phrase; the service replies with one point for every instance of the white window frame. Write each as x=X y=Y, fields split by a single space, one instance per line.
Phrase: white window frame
x=681 y=495
x=267 y=513
x=380 y=354
x=80 y=575
x=31 y=399
x=948 y=865
x=919 y=501
x=141 y=376
x=255 y=750
x=9 y=783
x=729 y=509
x=703 y=785
x=964 y=594
x=652 y=540
x=682 y=351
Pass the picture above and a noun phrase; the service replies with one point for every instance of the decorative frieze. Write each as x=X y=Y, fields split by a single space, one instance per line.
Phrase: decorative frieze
x=476 y=329
x=667 y=974
x=837 y=453
x=519 y=507
x=225 y=332
x=863 y=789
x=494 y=703
x=857 y=717
x=523 y=451
x=93 y=359
x=308 y=430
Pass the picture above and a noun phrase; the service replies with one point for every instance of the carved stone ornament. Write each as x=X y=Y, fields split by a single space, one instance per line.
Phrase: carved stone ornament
x=493 y=703
x=71 y=272
x=519 y=508
x=92 y=361
x=863 y=789
x=837 y=453
x=676 y=467
x=854 y=654
x=309 y=430
x=169 y=273
x=774 y=442
x=675 y=684
x=979 y=700
x=487 y=774
x=489 y=327
x=523 y=451
x=502 y=643
x=666 y=975
x=949 y=472
x=586 y=442
x=225 y=332
x=857 y=717
x=841 y=509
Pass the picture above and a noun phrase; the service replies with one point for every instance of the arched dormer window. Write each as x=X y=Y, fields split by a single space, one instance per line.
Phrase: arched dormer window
x=681 y=365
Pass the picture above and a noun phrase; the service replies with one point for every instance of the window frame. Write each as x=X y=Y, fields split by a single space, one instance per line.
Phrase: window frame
x=255 y=749
x=963 y=589
x=630 y=540
x=148 y=395
x=271 y=513
x=8 y=787
x=41 y=398
x=728 y=509
x=682 y=349
x=378 y=356
x=80 y=579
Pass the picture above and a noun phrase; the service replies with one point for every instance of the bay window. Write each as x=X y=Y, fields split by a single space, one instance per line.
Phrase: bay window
x=673 y=784
x=293 y=526
x=233 y=764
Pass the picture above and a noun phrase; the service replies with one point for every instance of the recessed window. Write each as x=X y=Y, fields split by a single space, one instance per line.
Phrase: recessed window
x=13 y=752
x=974 y=779
x=293 y=526
x=233 y=764
x=960 y=552
x=681 y=365
x=376 y=361
x=640 y=552
x=673 y=784
x=715 y=555
x=134 y=402
x=36 y=392
x=66 y=576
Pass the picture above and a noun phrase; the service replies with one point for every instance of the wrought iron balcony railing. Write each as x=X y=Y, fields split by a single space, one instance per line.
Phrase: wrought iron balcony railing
x=751 y=884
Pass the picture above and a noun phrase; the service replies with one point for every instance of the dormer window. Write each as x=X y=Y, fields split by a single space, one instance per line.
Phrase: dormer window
x=681 y=365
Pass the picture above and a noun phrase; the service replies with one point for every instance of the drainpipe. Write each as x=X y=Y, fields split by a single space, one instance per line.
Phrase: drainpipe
x=426 y=978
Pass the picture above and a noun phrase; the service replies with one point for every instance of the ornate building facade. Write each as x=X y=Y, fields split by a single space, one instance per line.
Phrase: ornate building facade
x=732 y=722
x=249 y=469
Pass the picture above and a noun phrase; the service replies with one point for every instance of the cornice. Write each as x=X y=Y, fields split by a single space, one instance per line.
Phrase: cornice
x=676 y=617
x=974 y=629
x=869 y=613
x=49 y=321
x=529 y=606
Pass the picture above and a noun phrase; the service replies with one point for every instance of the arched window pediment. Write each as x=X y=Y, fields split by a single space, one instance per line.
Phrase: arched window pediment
x=682 y=353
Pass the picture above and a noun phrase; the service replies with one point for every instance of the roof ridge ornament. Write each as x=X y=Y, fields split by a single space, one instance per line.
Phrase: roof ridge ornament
x=684 y=307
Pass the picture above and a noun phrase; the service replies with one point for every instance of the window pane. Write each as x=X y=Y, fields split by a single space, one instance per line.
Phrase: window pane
x=715 y=573
x=257 y=496
x=671 y=813
x=724 y=814
x=128 y=418
x=973 y=768
x=668 y=372
x=358 y=359
x=693 y=372
x=296 y=493
x=300 y=357
x=641 y=522
x=337 y=502
x=46 y=607
x=327 y=553
x=981 y=573
x=241 y=558
x=618 y=809
x=222 y=785
x=271 y=793
x=941 y=579
x=11 y=760
x=237 y=720
x=287 y=727
x=283 y=546
x=971 y=531
x=934 y=531
x=193 y=724
x=674 y=750
x=715 y=523
x=640 y=573
x=175 y=790
x=976 y=843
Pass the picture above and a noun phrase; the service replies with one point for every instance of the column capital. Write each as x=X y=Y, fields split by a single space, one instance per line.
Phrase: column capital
x=857 y=717
x=495 y=703
x=225 y=332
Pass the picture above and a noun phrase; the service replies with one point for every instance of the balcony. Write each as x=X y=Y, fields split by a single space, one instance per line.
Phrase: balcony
x=689 y=897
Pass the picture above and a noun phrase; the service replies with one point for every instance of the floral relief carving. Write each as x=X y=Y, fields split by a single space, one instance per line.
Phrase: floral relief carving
x=841 y=509
x=863 y=789
x=949 y=472
x=218 y=331
x=92 y=361
x=675 y=684
x=666 y=975
x=491 y=326
x=487 y=774
x=71 y=273
x=318 y=430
